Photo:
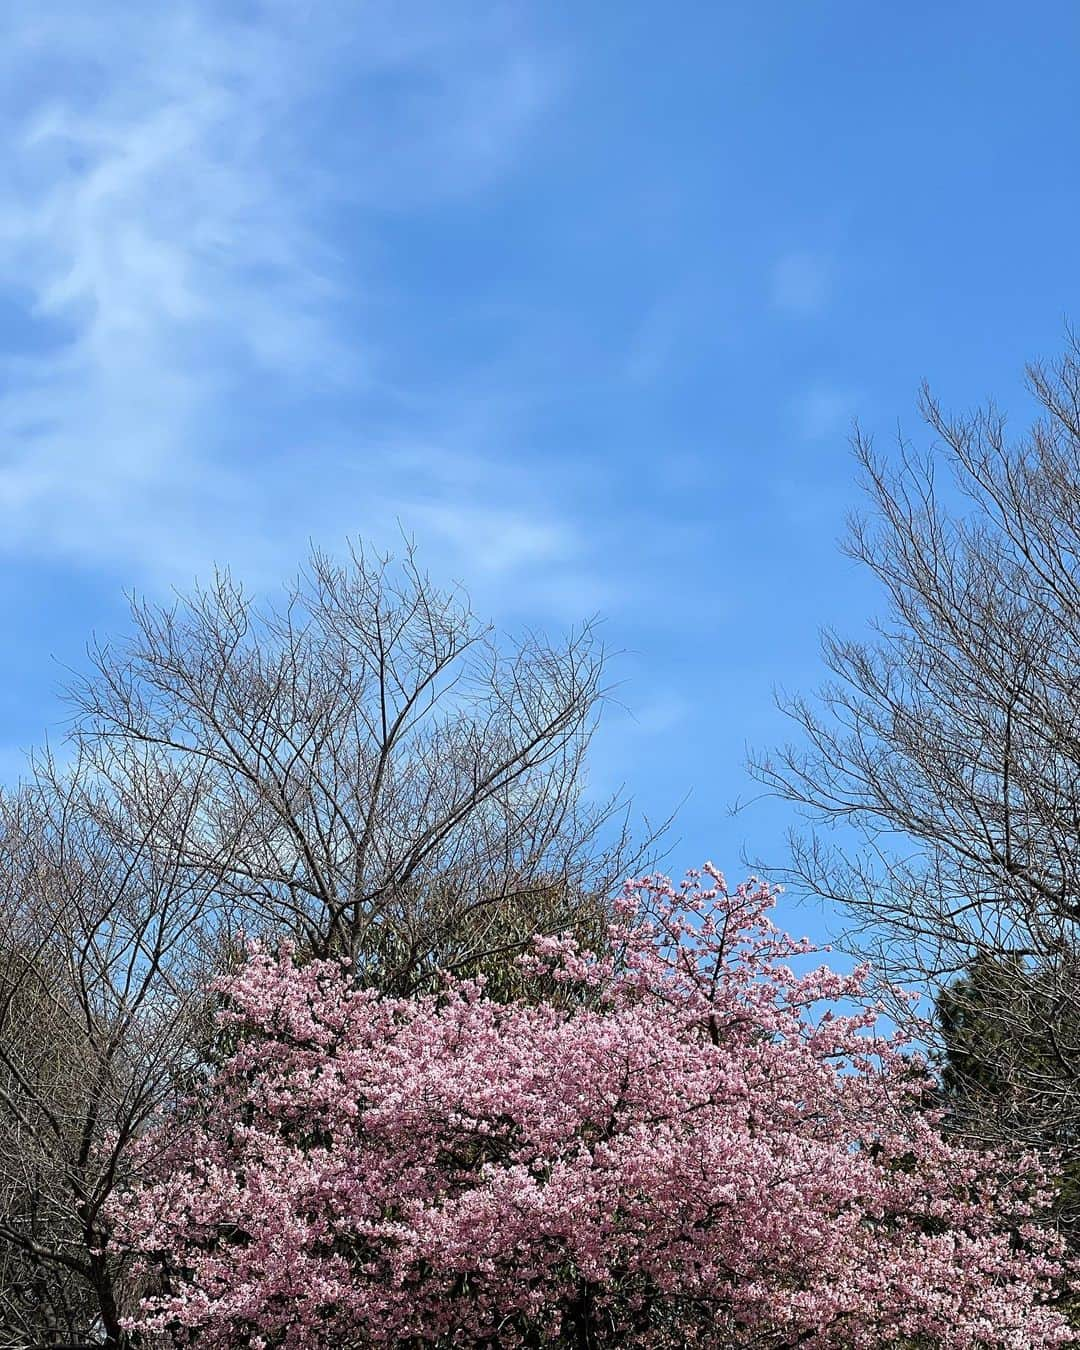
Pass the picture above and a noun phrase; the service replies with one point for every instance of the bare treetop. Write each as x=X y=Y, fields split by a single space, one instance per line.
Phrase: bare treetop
x=949 y=745
x=354 y=746
x=957 y=729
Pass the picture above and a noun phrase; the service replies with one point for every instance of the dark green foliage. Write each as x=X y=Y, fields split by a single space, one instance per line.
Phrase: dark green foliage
x=1011 y=1038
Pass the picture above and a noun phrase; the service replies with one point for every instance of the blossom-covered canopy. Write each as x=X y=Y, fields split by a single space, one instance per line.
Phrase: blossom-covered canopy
x=685 y=1143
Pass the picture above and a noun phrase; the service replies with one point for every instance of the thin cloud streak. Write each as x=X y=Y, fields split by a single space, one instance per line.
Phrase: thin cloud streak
x=826 y=412
x=800 y=284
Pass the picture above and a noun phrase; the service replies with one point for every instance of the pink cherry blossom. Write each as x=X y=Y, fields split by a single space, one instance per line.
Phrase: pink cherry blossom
x=687 y=1144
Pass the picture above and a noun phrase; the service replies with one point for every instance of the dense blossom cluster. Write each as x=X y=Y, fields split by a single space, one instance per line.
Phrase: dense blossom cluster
x=684 y=1145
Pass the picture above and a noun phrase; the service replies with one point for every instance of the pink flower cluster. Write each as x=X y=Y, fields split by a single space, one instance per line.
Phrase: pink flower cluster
x=683 y=1146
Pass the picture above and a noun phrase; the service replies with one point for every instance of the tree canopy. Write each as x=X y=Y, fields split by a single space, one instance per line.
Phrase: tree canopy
x=699 y=1148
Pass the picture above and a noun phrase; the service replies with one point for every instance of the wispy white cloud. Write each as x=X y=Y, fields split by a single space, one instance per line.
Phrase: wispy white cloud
x=172 y=279
x=800 y=284
x=825 y=411
x=499 y=539
x=655 y=341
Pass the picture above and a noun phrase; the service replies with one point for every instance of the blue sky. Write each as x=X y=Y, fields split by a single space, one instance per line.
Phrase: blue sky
x=585 y=295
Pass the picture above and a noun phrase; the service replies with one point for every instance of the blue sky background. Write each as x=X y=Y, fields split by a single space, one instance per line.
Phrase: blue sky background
x=584 y=294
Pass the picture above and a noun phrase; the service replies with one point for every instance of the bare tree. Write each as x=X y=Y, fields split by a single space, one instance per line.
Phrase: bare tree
x=105 y=949
x=947 y=749
x=359 y=749
x=364 y=768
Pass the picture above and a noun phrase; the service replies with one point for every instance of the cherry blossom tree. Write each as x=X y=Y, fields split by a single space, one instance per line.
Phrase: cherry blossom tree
x=692 y=1140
